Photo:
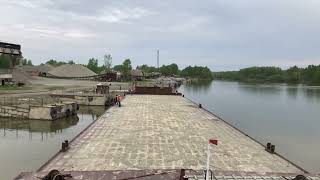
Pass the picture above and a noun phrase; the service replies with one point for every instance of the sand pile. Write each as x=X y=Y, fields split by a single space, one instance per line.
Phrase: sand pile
x=44 y=68
x=71 y=70
x=20 y=76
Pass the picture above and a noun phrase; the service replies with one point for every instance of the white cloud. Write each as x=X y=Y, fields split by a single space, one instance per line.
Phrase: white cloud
x=219 y=33
x=30 y=3
x=43 y=31
x=50 y=32
x=116 y=15
x=192 y=24
x=74 y=34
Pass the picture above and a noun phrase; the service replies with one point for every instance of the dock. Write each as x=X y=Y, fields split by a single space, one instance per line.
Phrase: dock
x=164 y=132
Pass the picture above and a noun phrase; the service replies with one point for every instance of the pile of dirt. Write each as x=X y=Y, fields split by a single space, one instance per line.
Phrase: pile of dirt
x=44 y=68
x=20 y=76
x=27 y=68
x=71 y=70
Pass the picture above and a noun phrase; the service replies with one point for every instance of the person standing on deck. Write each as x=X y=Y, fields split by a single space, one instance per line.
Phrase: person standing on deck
x=119 y=100
x=116 y=99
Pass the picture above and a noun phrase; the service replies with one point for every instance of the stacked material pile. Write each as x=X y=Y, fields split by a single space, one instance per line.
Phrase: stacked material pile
x=42 y=69
x=71 y=70
x=20 y=76
x=45 y=68
x=27 y=68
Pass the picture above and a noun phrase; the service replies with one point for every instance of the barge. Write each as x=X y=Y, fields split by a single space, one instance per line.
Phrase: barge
x=100 y=96
x=154 y=137
x=40 y=112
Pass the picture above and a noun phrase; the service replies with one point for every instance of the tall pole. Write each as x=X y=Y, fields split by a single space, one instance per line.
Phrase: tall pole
x=208 y=159
x=158 y=59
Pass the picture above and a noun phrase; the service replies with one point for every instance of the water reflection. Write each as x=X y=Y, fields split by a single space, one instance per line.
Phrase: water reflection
x=38 y=125
x=20 y=126
x=312 y=93
x=260 y=89
x=198 y=86
x=292 y=91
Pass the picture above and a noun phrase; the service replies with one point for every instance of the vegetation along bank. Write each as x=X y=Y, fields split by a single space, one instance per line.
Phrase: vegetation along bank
x=294 y=75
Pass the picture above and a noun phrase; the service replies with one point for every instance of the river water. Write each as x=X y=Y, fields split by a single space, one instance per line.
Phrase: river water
x=288 y=116
x=25 y=145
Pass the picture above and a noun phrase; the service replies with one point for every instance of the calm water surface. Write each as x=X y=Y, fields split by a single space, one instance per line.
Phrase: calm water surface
x=27 y=144
x=287 y=116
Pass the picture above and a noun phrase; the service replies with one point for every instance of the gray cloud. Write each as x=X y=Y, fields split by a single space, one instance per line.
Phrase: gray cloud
x=222 y=34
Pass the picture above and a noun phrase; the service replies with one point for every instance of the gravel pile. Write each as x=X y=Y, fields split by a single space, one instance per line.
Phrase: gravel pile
x=20 y=76
x=45 y=68
x=71 y=70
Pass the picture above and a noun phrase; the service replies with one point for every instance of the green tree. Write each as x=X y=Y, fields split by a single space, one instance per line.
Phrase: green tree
x=308 y=75
x=29 y=62
x=293 y=75
x=227 y=75
x=71 y=62
x=260 y=72
x=169 y=70
x=126 y=68
x=147 y=69
x=118 y=68
x=23 y=61
x=197 y=72
x=311 y=75
x=93 y=65
x=55 y=62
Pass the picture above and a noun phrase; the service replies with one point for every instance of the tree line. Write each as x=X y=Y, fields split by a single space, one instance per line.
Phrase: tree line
x=56 y=63
x=125 y=68
x=5 y=61
x=198 y=72
x=167 y=70
x=294 y=75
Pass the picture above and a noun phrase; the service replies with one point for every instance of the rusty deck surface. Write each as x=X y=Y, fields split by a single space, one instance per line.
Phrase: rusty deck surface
x=166 y=174
x=111 y=175
x=164 y=132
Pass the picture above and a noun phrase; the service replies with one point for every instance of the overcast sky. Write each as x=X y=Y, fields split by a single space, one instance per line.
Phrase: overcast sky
x=220 y=34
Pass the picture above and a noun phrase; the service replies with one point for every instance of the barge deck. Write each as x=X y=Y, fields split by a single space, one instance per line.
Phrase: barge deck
x=164 y=132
